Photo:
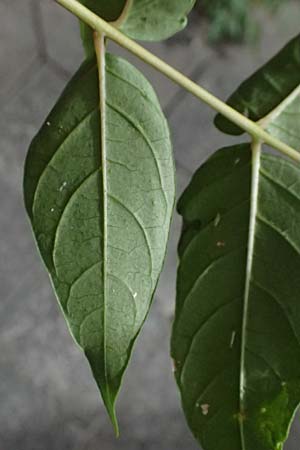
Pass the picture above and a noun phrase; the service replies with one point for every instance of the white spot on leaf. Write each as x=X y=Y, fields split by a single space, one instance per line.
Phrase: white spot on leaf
x=205 y=409
x=62 y=187
x=217 y=220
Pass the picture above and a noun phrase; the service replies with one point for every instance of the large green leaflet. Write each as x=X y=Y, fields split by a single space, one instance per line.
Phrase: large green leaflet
x=209 y=324
x=102 y=229
x=99 y=190
x=157 y=19
x=236 y=336
x=146 y=20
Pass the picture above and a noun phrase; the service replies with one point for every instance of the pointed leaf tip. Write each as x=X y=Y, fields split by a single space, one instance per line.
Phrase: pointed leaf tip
x=78 y=214
x=236 y=335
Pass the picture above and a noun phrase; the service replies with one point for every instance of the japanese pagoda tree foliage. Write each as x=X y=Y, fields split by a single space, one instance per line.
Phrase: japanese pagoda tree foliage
x=99 y=190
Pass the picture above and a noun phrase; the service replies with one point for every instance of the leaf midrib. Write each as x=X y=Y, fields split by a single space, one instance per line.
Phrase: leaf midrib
x=99 y=43
x=256 y=158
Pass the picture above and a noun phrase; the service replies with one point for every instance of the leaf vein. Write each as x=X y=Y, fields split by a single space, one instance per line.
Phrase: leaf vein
x=200 y=329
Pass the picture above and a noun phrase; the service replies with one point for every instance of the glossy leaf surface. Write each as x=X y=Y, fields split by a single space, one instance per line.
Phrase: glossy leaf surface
x=271 y=95
x=101 y=220
x=236 y=337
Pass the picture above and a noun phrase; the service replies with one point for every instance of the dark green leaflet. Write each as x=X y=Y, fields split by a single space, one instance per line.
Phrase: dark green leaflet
x=273 y=88
x=206 y=342
x=146 y=20
x=64 y=194
x=108 y=10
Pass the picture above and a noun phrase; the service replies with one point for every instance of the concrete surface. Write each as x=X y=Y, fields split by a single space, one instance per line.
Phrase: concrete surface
x=48 y=400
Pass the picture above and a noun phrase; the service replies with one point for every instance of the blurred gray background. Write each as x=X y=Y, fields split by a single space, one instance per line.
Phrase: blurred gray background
x=48 y=399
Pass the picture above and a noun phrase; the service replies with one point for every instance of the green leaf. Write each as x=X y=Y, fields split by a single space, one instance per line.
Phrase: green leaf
x=157 y=19
x=146 y=20
x=100 y=206
x=236 y=336
x=271 y=95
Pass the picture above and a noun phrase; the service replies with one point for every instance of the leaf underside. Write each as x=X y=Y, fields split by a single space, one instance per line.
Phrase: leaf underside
x=145 y=20
x=156 y=20
x=236 y=336
x=206 y=342
x=64 y=198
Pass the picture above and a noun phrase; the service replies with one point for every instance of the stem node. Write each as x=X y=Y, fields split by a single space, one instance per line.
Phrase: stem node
x=252 y=128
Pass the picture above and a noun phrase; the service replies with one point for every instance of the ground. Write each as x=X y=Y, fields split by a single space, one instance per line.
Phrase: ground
x=48 y=398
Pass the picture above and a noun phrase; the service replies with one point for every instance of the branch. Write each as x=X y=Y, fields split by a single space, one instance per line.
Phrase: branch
x=252 y=128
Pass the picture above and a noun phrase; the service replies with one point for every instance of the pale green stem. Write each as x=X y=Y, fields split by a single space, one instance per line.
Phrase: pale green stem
x=252 y=128
x=255 y=168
